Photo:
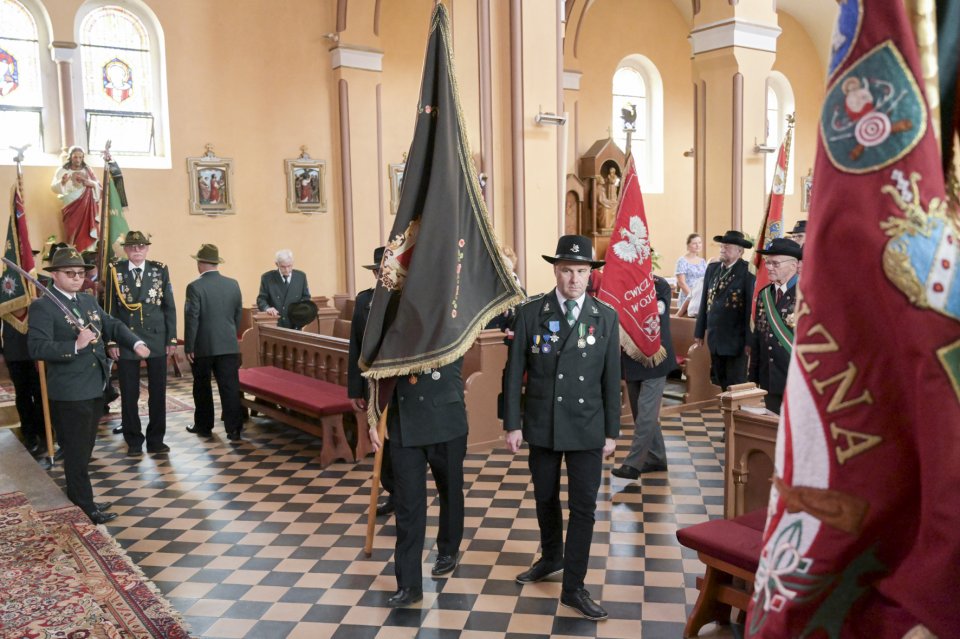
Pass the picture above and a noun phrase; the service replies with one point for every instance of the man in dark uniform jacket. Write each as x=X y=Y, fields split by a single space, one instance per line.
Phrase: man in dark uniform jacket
x=567 y=343
x=357 y=387
x=725 y=306
x=774 y=322
x=77 y=370
x=648 y=453
x=426 y=425
x=26 y=385
x=211 y=314
x=140 y=295
x=282 y=287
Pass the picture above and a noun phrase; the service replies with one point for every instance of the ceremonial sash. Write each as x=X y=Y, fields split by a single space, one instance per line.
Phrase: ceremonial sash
x=780 y=329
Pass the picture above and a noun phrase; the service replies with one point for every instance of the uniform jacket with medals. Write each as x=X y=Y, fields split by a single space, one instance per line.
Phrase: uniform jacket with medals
x=273 y=292
x=356 y=384
x=769 y=360
x=155 y=322
x=428 y=408
x=572 y=395
x=74 y=376
x=725 y=307
x=211 y=315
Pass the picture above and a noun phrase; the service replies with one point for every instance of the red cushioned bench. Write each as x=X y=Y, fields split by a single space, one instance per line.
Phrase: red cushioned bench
x=730 y=548
x=301 y=401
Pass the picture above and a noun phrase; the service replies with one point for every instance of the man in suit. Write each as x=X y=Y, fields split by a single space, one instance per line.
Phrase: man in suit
x=725 y=305
x=567 y=343
x=648 y=453
x=774 y=321
x=77 y=370
x=26 y=385
x=282 y=287
x=426 y=425
x=211 y=314
x=140 y=295
x=357 y=388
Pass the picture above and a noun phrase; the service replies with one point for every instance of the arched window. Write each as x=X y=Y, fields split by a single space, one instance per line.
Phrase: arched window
x=121 y=68
x=780 y=104
x=22 y=30
x=637 y=83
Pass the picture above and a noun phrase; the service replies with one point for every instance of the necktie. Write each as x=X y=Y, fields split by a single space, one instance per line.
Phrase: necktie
x=779 y=295
x=570 y=304
x=286 y=280
x=138 y=276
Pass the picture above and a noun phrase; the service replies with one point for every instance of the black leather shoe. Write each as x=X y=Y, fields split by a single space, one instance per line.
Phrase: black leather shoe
x=626 y=472
x=118 y=429
x=581 y=602
x=104 y=506
x=234 y=435
x=405 y=597
x=134 y=451
x=649 y=467
x=385 y=508
x=99 y=517
x=444 y=564
x=35 y=448
x=540 y=570
x=196 y=430
x=159 y=450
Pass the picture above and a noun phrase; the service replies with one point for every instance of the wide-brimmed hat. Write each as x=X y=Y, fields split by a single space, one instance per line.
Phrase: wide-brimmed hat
x=53 y=249
x=90 y=257
x=377 y=258
x=783 y=246
x=574 y=248
x=135 y=237
x=799 y=227
x=67 y=257
x=209 y=254
x=733 y=237
x=302 y=313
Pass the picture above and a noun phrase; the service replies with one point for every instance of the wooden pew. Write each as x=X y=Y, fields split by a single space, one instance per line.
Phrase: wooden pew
x=749 y=457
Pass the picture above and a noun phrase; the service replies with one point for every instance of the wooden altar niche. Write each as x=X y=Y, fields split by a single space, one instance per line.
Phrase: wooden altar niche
x=594 y=170
x=573 y=206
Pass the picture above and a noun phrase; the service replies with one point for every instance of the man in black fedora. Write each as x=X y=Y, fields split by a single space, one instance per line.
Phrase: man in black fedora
x=281 y=287
x=799 y=232
x=774 y=320
x=725 y=305
x=77 y=369
x=211 y=314
x=140 y=295
x=567 y=344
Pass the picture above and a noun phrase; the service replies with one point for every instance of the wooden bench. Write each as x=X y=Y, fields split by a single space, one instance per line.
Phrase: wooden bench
x=750 y=453
x=730 y=549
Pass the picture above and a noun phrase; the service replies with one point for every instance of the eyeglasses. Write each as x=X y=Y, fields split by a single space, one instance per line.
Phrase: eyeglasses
x=777 y=263
x=73 y=274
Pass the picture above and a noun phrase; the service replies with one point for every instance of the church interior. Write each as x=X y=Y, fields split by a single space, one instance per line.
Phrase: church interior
x=263 y=125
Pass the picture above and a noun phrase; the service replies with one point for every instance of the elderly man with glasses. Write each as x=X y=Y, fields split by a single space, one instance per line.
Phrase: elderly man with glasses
x=774 y=320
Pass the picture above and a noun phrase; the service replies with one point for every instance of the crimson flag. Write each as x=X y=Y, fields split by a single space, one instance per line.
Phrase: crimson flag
x=772 y=226
x=627 y=283
x=863 y=529
x=14 y=295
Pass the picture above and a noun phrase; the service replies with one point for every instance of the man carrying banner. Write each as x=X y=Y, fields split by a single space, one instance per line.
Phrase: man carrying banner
x=567 y=343
x=774 y=320
x=724 y=317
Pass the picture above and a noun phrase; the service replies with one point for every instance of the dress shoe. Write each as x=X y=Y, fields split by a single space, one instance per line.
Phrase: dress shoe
x=580 y=601
x=118 y=429
x=651 y=467
x=540 y=570
x=35 y=448
x=626 y=472
x=386 y=507
x=444 y=564
x=104 y=506
x=57 y=456
x=134 y=451
x=233 y=435
x=202 y=432
x=159 y=450
x=405 y=597
x=99 y=517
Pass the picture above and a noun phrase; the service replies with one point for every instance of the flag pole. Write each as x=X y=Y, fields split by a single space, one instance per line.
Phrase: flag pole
x=103 y=250
x=375 y=482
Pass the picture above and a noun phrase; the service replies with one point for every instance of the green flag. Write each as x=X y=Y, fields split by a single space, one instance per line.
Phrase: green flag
x=116 y=224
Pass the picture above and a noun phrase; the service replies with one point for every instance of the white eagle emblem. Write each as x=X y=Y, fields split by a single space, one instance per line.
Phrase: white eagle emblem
x=635 y=245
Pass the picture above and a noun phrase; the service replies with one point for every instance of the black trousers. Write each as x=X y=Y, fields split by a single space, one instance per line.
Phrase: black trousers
x=773 y=402
x=76 y=427
x=226 y=368
x=410 y=498
x=128 y=374
x=583 y=482
x=386 y=470
x=26 y=384
x=726 y=370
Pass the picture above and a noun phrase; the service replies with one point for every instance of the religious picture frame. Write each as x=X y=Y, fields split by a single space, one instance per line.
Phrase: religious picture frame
x=306 y=188
x=396 y=184
x=211 y=184
x=806 y=191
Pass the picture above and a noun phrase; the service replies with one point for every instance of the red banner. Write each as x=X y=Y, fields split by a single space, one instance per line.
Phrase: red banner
x=772 y=226
x=627 y=283
x=863 y=530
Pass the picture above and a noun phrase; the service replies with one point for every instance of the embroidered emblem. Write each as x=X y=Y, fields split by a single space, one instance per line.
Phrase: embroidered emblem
x=874 y=113
x=574 y=248
x=397 y=256
x=635 y=245
x=845 y=32
x=9 y=285
x=9 y=75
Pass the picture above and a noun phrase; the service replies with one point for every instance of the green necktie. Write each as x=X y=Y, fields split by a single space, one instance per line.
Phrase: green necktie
x=570 y=304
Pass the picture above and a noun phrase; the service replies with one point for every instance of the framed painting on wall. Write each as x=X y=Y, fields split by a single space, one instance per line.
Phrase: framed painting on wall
x=211 y=184
x=306 y=191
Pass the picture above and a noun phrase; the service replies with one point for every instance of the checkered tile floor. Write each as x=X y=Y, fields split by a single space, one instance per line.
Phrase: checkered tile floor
x=254 y=539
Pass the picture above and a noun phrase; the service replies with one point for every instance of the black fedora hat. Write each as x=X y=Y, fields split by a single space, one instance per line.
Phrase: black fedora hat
x=574 y=248
x=799 y=228
x=733 y=237
x=53 y=249
x=67 y=257
x=208 y=253
x=302 y=313
x=782 y=246
x=377 y=258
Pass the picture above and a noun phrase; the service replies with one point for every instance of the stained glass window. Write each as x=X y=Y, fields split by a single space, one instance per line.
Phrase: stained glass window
x=21 y=95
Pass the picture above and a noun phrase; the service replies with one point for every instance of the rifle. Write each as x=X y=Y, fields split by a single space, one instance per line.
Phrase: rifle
x=43 y=290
